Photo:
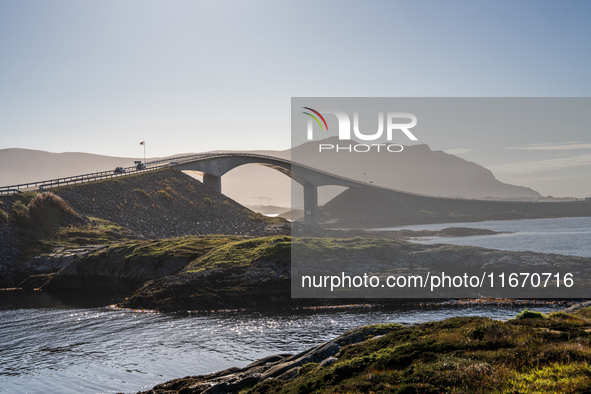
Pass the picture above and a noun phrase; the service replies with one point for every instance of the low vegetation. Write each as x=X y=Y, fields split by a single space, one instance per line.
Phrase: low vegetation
x=259 y=217
x=528 y=354
x=3 y=216
x=45 y=219
x=142 y=193
x=94 y=232
x=164 y=195
x=527 y=314
x=20 y=215
x=243 y=253
x=182 y=248
x=125 y=266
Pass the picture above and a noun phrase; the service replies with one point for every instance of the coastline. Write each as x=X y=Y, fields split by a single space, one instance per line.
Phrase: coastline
x=459 y=355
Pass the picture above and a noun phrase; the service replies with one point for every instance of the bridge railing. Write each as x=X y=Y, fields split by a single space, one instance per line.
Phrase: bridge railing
x=53 y=183
x=95 y=176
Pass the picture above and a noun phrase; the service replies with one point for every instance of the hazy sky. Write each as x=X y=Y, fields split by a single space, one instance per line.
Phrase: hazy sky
x=190 y=76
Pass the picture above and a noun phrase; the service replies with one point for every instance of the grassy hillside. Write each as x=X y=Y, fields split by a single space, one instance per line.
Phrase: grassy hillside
x=243 y=253
x=125 y=266
x=43 y=220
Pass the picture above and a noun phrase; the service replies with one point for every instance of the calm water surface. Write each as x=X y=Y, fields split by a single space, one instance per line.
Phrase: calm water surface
x=48 y=345
x=566 y=236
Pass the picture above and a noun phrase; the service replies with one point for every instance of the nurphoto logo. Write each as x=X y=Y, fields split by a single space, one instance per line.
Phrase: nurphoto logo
x=344 y=130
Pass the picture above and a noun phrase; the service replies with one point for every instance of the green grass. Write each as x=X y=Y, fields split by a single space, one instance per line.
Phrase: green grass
x=553 y=378
x=3 y=216
x=259 y=217
x=23 y=198
x=46 y=220
x=39 y=219
x=142 y=193
x=527 y=314
x=189 y=247
x=96 y=232
x=335 y=246
x=165 y=195
x=20 y=215
x=243 y=253
x=459 y=355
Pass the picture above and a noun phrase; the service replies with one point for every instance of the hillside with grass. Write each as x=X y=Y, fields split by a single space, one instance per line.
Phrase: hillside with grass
x=41 y=233
x=43 y=224
x=125 y=266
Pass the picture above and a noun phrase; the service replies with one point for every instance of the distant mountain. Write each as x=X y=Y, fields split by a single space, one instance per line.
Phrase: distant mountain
x=373 y=207
x=416 y=169
x=27 y=165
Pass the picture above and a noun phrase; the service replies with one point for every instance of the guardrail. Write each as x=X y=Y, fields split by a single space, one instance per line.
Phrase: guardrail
x=95 y=176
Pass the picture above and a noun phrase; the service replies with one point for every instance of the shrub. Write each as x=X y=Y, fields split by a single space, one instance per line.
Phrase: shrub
x=527 y=314
x=20 y=214
x=257 y=217
x=3 y=216
x=164 y=194
x=25 y=198
x=142 y=193
x=44 y=201
x=584 y=313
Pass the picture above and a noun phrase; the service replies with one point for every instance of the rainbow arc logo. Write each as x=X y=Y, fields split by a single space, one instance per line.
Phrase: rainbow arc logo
x=315 y=118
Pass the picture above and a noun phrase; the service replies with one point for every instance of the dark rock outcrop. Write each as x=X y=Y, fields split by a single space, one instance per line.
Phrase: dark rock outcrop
x=280 y=366
x=34 y=282
x=264 y=284
x=578 y=307
x=123 y=268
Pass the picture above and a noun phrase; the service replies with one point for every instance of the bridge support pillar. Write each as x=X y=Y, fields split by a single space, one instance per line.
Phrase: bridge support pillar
x=310 y=204
x=212 y=181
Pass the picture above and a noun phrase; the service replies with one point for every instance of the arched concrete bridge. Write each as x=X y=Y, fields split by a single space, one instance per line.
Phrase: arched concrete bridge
x=214 y=166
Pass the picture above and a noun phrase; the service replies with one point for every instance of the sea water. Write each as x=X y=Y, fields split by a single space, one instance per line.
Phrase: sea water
x=52 y=345
x=566 y=236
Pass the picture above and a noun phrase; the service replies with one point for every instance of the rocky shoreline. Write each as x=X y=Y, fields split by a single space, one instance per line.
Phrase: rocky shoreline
x=60 y=256
x=280 y=366
x=199 y=273
x=459 y=355
x=320 y=231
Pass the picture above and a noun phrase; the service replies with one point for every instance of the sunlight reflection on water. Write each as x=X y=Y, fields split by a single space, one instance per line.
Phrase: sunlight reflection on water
x=70 y=349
